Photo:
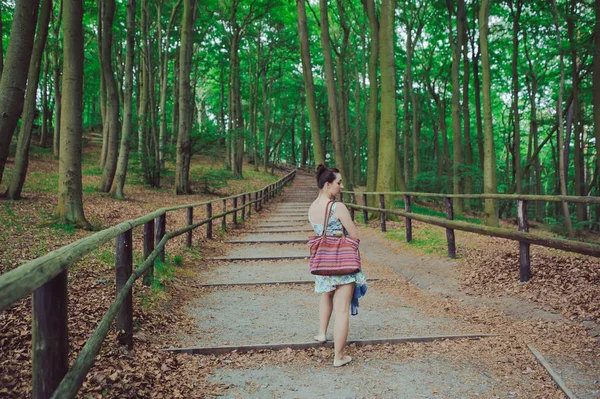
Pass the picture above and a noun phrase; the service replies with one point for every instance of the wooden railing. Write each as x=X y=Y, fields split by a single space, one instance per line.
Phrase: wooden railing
x=46 y=278
x=523 y=236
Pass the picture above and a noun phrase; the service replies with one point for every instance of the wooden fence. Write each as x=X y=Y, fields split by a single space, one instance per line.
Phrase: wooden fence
x=523 y=236
x=46 y=278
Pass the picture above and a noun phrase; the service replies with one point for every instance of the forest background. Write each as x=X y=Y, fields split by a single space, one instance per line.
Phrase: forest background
x=435 y=96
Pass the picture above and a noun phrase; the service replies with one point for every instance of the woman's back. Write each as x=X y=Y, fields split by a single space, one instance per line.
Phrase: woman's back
x=316 y=217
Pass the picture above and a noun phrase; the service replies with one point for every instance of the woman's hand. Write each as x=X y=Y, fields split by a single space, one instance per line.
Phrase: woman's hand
x=344 y=216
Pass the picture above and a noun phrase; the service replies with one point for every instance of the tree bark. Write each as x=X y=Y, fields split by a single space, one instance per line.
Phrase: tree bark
x=490 y=185
x=309 y=86
x=332 y=98
x=184 y=151
x=465 y=108
x=372 y=149
x=57 y=94
x=29 y=108
x=119 y=183
x=559 y=111
x=458 y=159
x=70 y=195
x=515 y=10
x=14 y=75
x=387 y=145
x=596 y=87
x=477 y=90
x=112 y=107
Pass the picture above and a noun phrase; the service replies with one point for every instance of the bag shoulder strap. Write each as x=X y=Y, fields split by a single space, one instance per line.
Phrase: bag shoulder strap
x=327 y=209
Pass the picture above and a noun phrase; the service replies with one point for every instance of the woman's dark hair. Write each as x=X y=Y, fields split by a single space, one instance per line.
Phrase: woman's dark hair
x=325 y=175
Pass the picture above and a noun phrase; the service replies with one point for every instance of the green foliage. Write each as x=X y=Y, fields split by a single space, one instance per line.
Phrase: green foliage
x=430 y=211
x=429 y=240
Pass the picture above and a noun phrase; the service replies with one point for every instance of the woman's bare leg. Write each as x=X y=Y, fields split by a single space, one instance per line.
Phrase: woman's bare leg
x=341 y=307
x=325 y=309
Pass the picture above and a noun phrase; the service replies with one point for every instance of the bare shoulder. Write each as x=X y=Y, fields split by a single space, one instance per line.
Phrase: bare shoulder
x=341 y=207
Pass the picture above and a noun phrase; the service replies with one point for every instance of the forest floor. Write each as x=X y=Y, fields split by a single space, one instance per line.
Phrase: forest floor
x=558 y=310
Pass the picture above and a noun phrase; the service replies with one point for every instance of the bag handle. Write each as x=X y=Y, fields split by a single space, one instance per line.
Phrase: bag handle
x=327 y=209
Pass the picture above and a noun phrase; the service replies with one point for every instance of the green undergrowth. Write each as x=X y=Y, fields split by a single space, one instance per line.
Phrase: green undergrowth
x=430 y=241
x=428 y=211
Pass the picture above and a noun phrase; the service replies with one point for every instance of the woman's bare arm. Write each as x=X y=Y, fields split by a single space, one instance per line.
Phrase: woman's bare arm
x=341 y=212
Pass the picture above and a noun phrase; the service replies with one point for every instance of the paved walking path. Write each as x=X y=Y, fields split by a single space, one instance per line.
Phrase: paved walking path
x=261 y=294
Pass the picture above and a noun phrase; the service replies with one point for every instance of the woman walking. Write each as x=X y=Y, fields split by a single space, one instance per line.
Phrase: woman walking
x=336 y=291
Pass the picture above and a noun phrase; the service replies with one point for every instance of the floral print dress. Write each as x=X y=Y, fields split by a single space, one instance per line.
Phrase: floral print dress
x=329 y=283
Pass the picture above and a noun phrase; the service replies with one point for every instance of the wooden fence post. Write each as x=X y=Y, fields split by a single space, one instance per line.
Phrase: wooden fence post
x=224 y=221
x=249 y=204
x=524 y=255
x=450 y=232
x=161 y=228
x=234 y=216
x=353 y=201
x=123 y=266
x=365 y=212
x=408 y=221
x=49 y=336
x=256 y=201
x=382 y=213
x=243 y=207
x=190 y=221
x=209 y=223
x=148 y=248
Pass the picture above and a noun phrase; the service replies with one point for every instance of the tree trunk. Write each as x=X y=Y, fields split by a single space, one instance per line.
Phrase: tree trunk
x=144 y=87
x=22 y=155
x=112 y=107
x=70 y=196
x=14 y=75
x=465 y=108
x=44 y=131
x=117 y=187
x=311 y=101
x=559 y=111
x=372 y=148
x=387 y=145
x=596 y=90
x=580 y=185
x=332 y=99
x=57 y=95
x=164 y=73
x=516 y=16
x=1 y=44
x=490 y=185
x=477 y=92
x=455 y=46
x=184 y=151
x=104 y=150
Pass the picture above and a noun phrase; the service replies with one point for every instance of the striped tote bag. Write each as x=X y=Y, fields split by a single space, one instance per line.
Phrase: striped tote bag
x=332 y=255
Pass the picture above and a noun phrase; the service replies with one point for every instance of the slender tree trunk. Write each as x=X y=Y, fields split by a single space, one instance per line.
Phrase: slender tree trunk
x=477 y=88
x=22 y=155
x=175 y=113
x=184 y=151
x=578 y=166
x=559 y=110
x=44 y=82
x=465 y=108
x=490 y=185
x=516 y=16
x=144 y=87
x=56 y=68
x=311 y=101
x=70 y=195
x=14 y=75
x=357 y=129
x=104 y=150
x=372 y=145
x=117 y=187
x=266 y=116
x=332 y=99
x=303 y=138
x=164 y=73
x=112 y=106
x=1 y=44
x=458 y=159
x=387 y=146
x=596 y=90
